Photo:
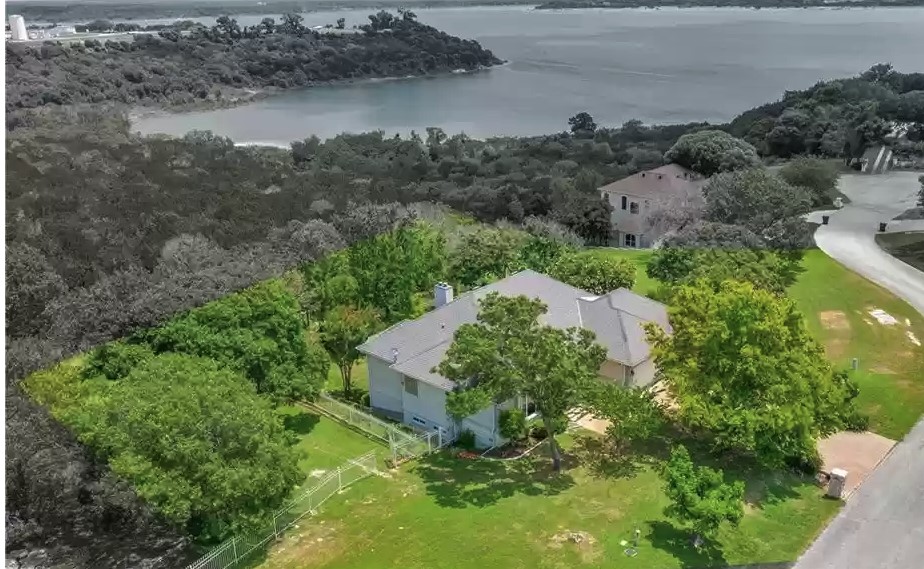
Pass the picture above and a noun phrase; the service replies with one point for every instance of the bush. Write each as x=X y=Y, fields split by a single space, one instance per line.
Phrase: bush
x=513 y=424
x=818 y=176
x=116 y=360
x=466 y=440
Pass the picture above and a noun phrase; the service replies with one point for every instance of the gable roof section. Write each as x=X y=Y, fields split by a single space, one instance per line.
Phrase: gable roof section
x=662 y=183
x=415 y=347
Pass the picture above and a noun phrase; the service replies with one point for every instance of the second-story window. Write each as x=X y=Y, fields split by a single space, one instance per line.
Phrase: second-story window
x=624 y=201
x=633 y=207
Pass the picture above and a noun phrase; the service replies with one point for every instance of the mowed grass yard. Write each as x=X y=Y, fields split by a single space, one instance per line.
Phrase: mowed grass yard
x=324 y=443
x=444 y=512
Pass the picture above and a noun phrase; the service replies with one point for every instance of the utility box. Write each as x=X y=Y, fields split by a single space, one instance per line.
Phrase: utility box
x=837 y=483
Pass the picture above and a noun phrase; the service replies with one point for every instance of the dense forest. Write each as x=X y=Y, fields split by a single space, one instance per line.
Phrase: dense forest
x=227 y=62
x=110 y=233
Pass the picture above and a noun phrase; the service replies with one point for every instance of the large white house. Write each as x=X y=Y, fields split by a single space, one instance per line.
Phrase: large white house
x=403 y=385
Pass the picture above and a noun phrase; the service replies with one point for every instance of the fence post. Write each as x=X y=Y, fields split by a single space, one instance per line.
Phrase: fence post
x=439 y=434
x=234 y=547
x=339 y=479
x=275 y=531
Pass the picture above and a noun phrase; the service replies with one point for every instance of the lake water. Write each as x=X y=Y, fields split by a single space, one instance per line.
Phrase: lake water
x=659 y=66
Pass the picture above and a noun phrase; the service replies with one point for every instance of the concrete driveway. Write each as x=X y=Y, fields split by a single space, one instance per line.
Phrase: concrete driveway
x=882 y=526
x=850 y=235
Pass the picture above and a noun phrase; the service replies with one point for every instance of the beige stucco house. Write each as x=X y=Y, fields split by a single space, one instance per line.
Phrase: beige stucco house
x=403 y=385
x=636 y=198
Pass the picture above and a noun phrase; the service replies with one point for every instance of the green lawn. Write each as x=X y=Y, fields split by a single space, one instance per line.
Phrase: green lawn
x=324 y=443
x=445 y=512
x=836 y=303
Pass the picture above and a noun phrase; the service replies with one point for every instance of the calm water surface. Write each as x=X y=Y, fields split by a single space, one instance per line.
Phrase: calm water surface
x=659 y=66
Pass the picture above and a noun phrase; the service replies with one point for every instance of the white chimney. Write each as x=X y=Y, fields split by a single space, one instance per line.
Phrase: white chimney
x=442 y=294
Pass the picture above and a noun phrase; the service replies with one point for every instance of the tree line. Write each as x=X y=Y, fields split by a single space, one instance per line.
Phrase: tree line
x=219 y=64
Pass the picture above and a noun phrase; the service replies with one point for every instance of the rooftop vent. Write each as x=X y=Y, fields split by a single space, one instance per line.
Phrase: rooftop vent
x=394 y=355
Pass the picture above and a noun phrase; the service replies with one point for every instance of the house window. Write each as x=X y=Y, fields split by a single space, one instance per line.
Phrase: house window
x=629 y=240
x=633 y=207
x=418 y=421
x=625 y=200
x=410 y=386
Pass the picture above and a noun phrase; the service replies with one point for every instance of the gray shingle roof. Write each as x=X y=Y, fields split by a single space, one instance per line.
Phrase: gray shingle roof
x=415 y=346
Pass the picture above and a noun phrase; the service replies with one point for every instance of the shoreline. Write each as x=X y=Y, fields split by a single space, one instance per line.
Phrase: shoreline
x=249 y=96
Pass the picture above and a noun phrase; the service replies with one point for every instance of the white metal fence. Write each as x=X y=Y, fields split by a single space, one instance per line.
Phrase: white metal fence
x=423 y=443
x=240 y=548
x=362 y=420
x=403 y=446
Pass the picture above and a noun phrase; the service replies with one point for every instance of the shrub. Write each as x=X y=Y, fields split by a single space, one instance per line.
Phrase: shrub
x=116 y=360
x=513 y=424
x=466 y=440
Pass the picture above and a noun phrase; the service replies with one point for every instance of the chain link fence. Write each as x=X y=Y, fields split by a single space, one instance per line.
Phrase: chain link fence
x=243 y=547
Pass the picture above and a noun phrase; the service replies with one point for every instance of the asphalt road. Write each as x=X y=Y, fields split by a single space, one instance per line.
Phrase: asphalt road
x=882 y=526
x=850 y=235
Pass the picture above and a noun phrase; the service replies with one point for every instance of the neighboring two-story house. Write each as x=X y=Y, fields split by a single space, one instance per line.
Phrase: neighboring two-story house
x=636 y=198
x=403 y=385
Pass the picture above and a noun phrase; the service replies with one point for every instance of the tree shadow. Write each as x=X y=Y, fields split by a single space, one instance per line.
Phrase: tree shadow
x=603 y=460
x=679 y=543
x=457 y=483
x=301 y=423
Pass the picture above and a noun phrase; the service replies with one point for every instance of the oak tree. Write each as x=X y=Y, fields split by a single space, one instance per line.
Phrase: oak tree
x=700 y=496
x=508 y=352
x=742 y=366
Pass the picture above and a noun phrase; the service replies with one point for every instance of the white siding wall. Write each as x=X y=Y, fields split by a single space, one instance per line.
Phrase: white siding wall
x=384 y=387
x=429 y=404
x=644 y=374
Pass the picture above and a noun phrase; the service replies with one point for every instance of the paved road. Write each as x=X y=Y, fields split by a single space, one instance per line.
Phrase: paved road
x=882 y=526
x=850 y=236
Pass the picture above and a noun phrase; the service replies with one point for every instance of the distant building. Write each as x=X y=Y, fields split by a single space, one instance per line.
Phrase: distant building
x=636 y=198
x=18 y=28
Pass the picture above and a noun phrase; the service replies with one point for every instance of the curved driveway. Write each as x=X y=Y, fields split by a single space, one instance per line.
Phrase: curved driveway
x=850 y=235
x=882 y=526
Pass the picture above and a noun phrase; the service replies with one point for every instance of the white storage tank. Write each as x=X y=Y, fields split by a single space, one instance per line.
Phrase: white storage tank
x=18 y=28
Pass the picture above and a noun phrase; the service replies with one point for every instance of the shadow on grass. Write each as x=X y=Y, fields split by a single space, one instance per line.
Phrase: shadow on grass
x=603 y=460
x=457 y=483
x=679 y=543
x=301 y=423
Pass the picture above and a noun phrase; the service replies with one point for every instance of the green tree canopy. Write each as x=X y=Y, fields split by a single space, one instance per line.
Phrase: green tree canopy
x=762 y=203
x=257 y=332
x=342 y=330
x=743 y=367
x=115 y=360
x=485 y=255
x=700 y=496
x=633 y=413
x=195 y=441
x=594 y=273
x=765 y=269
x=391 y=267
x=815 y=175
x=508 y=352
x=712 y=151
